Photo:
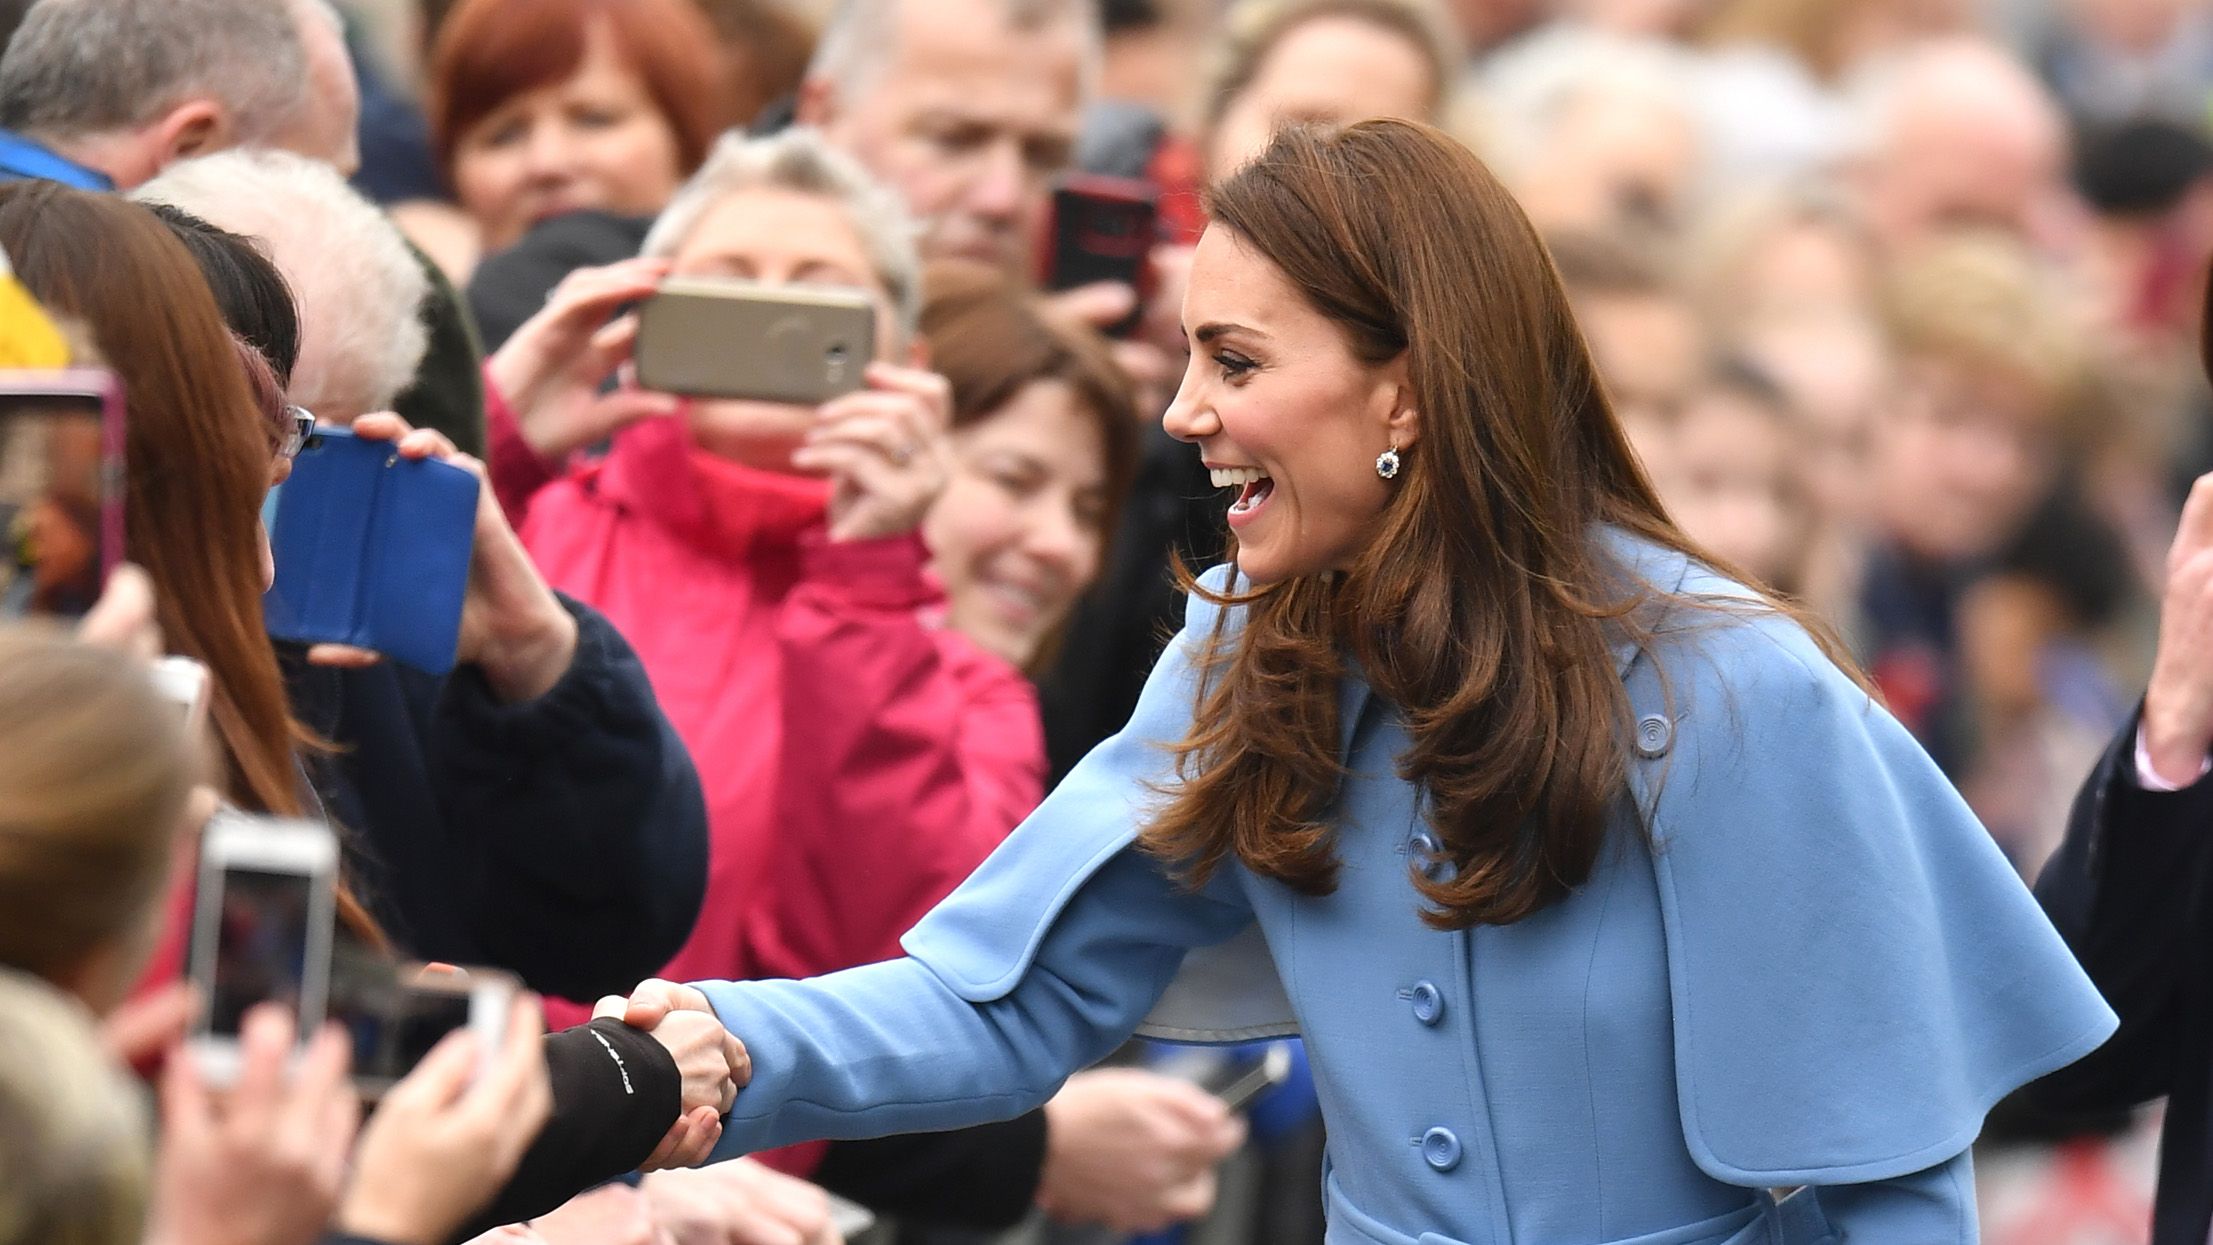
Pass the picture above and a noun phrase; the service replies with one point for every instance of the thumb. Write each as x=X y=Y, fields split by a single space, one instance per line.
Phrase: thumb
x=1097 y=305
x=610 y=1007
x=650 y=1003
x=442 y=1075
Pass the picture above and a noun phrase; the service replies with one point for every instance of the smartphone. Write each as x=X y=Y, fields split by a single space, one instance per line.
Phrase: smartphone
x=372 y=550
x=185 y=682
x=261 y=928
x=61 y=489
x=1103 y=229
x=715 y=337
x=1245 y=1078
x=395 y=1013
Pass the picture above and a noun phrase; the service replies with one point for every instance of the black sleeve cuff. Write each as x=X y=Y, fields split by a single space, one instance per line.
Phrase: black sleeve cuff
x=594 y=697
x=980 y=1179
x=616 y=1093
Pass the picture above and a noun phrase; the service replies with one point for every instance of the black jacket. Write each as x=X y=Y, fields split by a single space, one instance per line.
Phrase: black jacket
x=2128 y=891
x=563 y=839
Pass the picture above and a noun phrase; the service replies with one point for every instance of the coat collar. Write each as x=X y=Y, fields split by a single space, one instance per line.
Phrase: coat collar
x=721 y=507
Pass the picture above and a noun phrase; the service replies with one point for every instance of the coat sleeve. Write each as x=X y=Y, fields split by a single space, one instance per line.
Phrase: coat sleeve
x=589 y=829
x=2127 y=890
x=1045 y=959
x=902 y=766
x=1856 y=973
x=517 y=471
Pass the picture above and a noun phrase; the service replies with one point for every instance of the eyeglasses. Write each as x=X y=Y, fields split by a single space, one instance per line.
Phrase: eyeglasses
x=292 y=434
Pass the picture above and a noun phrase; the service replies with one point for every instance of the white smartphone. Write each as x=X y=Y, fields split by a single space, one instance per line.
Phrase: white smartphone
x=261 y=928
x=397 y=1015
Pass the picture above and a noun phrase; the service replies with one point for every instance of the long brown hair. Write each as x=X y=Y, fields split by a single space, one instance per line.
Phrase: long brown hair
x=991 y=337
x=1483 y=609
x=197 y=454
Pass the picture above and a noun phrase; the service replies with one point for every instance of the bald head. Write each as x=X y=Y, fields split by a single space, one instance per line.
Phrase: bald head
x=1960 y=133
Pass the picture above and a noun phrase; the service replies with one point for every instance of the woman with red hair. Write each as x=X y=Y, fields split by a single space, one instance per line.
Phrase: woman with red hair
x=543 y=107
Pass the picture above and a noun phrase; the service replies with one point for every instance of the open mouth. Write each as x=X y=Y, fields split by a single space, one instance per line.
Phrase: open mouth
x=1252 y=484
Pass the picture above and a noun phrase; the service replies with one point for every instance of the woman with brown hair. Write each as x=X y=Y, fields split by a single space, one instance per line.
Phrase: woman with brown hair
x=1606 y=901
x=482 y=808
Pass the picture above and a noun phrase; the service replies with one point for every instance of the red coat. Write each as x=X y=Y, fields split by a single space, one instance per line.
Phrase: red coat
x=858 y=761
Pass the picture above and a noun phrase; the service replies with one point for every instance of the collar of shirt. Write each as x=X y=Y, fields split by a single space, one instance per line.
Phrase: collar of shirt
x=22 y=159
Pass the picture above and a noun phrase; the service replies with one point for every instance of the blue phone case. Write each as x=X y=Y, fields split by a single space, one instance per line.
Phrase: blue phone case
x=372 y=550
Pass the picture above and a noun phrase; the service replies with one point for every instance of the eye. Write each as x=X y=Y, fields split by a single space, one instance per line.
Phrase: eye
x=1235 y=367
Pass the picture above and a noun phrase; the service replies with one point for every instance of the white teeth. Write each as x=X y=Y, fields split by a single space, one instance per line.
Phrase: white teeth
x=1236 y=477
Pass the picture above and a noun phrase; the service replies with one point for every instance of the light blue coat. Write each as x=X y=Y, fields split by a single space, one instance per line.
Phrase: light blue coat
x=1819 y=971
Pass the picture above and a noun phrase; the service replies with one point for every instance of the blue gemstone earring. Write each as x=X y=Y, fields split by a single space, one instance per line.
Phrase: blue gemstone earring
x=1386 y=463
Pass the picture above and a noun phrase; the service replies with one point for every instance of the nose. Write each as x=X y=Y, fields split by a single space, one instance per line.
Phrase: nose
x=1190 y=417
x=547 y=155
x=1060 y=542
x=1000 y=183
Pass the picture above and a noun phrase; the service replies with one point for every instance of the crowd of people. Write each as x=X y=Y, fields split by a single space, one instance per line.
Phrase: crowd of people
x=1897 y=304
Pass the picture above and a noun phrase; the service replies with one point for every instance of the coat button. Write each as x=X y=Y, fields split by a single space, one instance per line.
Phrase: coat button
x=1428 y=856
x=1429 y=1002
x=1440 y=1149
x=1655 y=735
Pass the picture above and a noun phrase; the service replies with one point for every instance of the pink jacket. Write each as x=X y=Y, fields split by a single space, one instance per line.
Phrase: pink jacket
x=858 y=761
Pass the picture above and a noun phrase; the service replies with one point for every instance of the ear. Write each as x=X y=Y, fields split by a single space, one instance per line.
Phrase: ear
x=196 y=127
x=818 y=103
x=1402 y=421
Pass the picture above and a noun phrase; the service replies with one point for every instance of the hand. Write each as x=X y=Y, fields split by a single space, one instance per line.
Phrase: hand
x=2178 y=708
x=440 y=1147
x=706 y=1053
x=689 y=1142
x=552 y=369
x=885 y=449
x=123 y=619
x=512 y=626
x=1133 y=1150
x=263 y=1167
x=739 y=1202
x=140 y=1031
x=655 y=1000
x=613 y=1214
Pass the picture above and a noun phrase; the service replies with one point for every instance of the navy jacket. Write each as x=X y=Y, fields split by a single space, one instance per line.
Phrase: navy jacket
x=563 y=839
x=2128 y=891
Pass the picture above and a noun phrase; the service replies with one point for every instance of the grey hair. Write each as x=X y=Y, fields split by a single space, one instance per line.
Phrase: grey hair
x=78 y=68
x=798 y=160
x=861 y=35
x=360 y=288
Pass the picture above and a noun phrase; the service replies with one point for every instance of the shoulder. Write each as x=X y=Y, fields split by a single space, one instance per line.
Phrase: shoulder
x=986 y=680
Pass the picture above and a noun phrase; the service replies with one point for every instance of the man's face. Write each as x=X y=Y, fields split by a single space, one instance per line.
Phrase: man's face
x=970 y=121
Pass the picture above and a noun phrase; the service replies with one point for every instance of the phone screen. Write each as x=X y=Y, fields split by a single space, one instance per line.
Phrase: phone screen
x=261 y=944
x=52 y=472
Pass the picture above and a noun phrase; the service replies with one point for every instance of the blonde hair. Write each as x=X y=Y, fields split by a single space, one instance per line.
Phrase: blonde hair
x=96 y=767
x=73 y=1134
x=1981 y=300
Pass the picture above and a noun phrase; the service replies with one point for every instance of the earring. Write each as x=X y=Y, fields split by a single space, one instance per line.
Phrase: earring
x=1386 y=463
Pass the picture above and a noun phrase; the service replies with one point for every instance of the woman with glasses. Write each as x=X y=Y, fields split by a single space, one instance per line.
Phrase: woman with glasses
x=532 y=810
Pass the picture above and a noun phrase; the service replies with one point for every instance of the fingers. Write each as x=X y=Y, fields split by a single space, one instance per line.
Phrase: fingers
x=265 y=1046
x=740 y=1060
x=672 y=1142
x=2195 y=531
x=520 y=1064
x=381 y=426
x=655 y=998
x=342 y=656
x=610 y=1007
x=187 y=1111
x=320 y=1078
x=122 y=619
x=933 y=392
x=135 y=1032
x=593 y=293
x=440 y=1078
x=1100 y=305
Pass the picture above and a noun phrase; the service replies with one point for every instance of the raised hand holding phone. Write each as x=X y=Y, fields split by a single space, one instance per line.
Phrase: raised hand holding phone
x=553 y=371
x=885 y=450
x=510 y=625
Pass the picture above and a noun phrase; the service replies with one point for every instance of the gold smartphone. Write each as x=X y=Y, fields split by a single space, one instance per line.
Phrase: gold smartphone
x=716 y=337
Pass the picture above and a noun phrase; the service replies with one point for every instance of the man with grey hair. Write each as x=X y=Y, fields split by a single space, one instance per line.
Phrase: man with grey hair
x=104 y=94
x=360 y=291
x=969 y=108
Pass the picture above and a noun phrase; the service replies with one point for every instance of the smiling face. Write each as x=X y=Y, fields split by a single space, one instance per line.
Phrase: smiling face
x=1286 y=414
x=1018 y=532
x=594 y=140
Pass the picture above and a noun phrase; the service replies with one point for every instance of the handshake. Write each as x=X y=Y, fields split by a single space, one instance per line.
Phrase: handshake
x=711 y=1059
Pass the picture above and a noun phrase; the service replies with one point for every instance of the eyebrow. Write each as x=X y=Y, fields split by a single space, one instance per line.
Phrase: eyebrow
x=1212 y=329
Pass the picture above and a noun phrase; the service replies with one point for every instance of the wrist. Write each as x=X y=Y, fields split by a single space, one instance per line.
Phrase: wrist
x=528 y=662
x=363 y=1218
x=2175 y=745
